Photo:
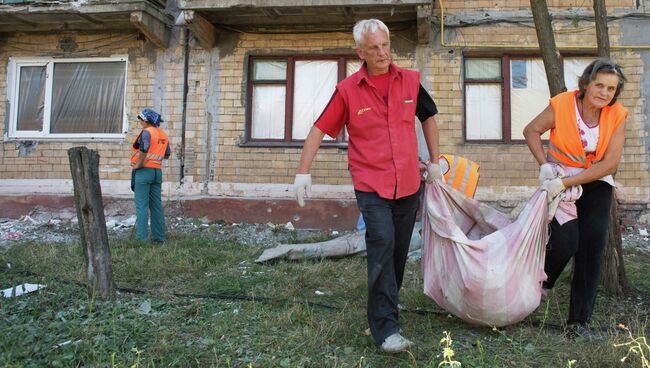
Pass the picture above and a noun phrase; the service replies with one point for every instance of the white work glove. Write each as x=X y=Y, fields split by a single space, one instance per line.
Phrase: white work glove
x=546 y=172
x=433 y=173
x=302 y=186
x=553 y=188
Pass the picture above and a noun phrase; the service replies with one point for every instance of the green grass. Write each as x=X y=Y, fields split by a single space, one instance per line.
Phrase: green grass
x=281 y=322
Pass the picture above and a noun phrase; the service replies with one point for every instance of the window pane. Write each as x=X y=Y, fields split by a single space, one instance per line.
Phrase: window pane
x=313 y=88
x=529 y=93
x=31 y=98
x=483 y=111
x=268 y=112
x=519 y=73
x=573 y=69
x=269 y=70
x=88 y=97
x=482 y=68
x=351 y=67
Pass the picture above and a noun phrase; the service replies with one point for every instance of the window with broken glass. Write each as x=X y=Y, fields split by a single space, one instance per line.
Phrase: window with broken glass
x=67 y=98
x=286 y=95
x=503 y=94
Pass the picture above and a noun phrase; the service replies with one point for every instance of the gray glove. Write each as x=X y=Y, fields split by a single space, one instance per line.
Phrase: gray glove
x=433 y=173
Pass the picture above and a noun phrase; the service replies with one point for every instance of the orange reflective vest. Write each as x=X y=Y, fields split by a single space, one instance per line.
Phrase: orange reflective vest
x=565 y=146
x=157 y=148
x=460 y=173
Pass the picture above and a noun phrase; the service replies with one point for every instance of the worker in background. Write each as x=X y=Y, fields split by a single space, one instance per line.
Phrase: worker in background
x=148 y=150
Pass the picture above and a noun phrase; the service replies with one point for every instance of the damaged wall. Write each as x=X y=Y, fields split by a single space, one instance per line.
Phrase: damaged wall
x=637 y=32
x=510 y=169
x=152 y=80
x=217 y=164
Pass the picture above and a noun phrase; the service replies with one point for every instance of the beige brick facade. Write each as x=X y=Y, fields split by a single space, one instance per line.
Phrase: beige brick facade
x=217 y=90
x=525 y=4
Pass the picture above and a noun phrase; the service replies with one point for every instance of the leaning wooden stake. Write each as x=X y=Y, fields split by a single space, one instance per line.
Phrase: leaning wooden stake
x=84 y=166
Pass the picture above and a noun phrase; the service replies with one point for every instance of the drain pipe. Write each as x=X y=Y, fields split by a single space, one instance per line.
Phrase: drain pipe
x=186 y=66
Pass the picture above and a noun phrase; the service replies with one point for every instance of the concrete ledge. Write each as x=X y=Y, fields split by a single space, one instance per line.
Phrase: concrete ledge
x=317 y=214
x=329 y=207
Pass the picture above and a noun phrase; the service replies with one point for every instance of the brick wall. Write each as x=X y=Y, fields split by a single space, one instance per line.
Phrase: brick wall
x=271 y=165
x=504 y=166
x=525 y=4
x=47 y=159
x=215 y=123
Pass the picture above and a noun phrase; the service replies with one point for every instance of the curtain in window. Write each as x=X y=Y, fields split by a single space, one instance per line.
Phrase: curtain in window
x=315 y=81
x=268 y=112
x=88 y=97
x=529 y=93
x=483 y=112
x=351 y=67
x=573 y=69
x=31 y=98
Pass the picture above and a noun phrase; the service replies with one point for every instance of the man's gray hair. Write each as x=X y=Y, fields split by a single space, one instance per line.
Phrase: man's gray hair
x=601 y=65
x=367 y=25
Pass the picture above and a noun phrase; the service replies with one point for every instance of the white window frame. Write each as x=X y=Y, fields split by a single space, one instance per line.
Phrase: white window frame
x=13 y=85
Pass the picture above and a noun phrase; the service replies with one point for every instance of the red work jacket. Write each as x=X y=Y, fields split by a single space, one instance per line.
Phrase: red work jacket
x=382 y=144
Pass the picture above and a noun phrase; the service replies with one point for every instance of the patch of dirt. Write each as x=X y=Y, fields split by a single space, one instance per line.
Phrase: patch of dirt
x=48 y=229
x=63 y=228
x=636 y=237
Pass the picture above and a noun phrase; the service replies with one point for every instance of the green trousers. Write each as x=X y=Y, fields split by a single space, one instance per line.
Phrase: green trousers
x=148 y=200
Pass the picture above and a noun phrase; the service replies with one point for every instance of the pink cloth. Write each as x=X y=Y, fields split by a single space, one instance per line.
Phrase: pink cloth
x=477 y=263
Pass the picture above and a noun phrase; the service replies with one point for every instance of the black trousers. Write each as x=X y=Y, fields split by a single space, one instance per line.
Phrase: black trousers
x=583 y=239
x=389 y=225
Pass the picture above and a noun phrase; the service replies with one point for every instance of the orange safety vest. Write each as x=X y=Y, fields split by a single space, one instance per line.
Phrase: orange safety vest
x=157 y=148
x=460 y=173
x=565 y=146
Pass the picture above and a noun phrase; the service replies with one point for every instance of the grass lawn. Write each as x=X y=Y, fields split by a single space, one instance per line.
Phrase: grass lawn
x=206 y=303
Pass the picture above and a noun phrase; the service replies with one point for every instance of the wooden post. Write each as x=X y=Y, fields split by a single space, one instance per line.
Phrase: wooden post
x=546 y=40
x=613 y=277
x=602 y=33
x=84 y=166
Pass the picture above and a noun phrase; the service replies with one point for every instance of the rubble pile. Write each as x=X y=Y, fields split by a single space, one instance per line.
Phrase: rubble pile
x=49 y=229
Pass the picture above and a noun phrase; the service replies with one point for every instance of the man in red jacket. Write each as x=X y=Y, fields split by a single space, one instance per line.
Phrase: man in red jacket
x=378 y=104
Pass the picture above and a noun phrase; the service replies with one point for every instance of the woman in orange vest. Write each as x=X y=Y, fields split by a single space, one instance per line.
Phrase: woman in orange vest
x=587 y=134
x=148 y=150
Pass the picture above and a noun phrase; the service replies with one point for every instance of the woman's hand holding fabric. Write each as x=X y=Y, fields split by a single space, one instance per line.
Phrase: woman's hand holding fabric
x=546 y=172
x=553 y=188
